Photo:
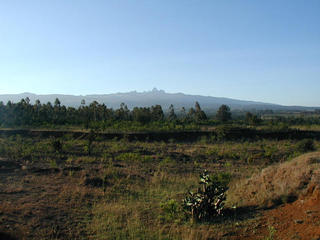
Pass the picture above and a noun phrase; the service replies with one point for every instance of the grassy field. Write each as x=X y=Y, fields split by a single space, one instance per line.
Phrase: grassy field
x=67 y=188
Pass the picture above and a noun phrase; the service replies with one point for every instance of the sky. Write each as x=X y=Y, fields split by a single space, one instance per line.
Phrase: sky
x=265 y=51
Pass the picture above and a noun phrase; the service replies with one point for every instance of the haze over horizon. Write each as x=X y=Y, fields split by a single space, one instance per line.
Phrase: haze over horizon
x=154 y=97
x=258 y=51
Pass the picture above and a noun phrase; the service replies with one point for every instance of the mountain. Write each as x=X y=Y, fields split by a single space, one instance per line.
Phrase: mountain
x=149 y=98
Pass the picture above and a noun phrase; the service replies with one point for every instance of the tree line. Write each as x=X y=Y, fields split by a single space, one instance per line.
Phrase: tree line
x=24 y=113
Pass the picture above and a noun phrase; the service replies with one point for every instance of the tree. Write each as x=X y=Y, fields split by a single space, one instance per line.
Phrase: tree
x=93 y=107
x=183 y=114
x=36 y=111
x=172 y=116
x=141 y=114
x=57 y=103
x=123 y=113
x=57 y=113
x=28 y=100
x=157 y=113
x=191 y=115
x=199 y=114
x=252 y=119
x=197 y=107
x=223 y=113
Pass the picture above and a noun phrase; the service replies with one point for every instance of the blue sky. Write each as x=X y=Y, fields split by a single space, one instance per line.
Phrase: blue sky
x=246 y=49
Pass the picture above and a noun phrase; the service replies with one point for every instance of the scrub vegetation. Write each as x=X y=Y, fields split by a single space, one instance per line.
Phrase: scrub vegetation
x=87 y=185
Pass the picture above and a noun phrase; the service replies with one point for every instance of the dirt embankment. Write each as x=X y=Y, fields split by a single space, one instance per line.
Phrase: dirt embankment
x=289 y=195
x=279 y=183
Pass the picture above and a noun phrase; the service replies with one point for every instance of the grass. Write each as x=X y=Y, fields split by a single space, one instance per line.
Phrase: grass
x=139 y=180
x=312 y=127
x=272 y=232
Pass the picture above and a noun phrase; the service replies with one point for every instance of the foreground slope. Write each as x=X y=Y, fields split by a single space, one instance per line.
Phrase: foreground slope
x=295 y=185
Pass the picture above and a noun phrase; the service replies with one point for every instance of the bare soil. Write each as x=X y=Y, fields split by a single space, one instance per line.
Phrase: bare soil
x=39 y=203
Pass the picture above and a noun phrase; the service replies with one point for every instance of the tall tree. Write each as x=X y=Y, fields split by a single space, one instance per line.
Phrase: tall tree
x=252 y=119
x=123 y=112
x=191 y=115
x=157 y=113
x=199 y=114
x=223 y=113
x=183 y=114
x=57 y=103
x=141 y=114
x=172 y=116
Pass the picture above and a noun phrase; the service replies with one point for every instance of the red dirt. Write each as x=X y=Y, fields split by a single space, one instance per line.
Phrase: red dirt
x=299 y=220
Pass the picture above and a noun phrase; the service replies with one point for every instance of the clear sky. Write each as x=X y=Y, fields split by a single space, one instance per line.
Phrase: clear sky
x=246 y=49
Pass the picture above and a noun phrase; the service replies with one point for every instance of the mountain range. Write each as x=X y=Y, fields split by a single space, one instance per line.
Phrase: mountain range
x=149 y=98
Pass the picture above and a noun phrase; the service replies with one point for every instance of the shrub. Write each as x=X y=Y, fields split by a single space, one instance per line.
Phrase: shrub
x=305 y=145
x=208 y=201
x=57 y=145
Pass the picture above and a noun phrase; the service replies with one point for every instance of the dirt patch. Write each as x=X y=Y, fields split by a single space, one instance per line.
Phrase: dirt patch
x=297 y=220
x=40 y=203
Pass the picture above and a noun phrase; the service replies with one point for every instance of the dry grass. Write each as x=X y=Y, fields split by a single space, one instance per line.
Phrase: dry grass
x=136 y=179
x=277 y=183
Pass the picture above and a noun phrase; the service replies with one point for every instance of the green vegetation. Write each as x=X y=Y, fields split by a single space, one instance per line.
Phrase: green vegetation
x=272 y=232
x=101 y=118
x=96 y=116
x=208 y=202
x=224 y=113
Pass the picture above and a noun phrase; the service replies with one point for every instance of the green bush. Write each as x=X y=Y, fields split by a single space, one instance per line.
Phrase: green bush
x=208 y=201
x=305 y=145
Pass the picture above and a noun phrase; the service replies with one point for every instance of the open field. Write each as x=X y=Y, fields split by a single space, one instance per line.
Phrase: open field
x=91 y=188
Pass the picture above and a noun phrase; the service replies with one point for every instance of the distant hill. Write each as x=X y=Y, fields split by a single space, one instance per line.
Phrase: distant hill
x=148 y=98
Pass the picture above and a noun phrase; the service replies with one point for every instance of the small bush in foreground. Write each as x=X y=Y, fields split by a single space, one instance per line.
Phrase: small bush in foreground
x=208 y=201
